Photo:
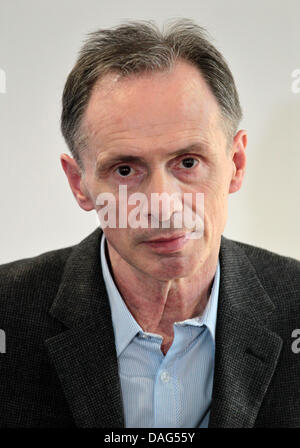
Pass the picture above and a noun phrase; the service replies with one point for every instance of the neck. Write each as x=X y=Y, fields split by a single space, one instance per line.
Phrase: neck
x=156 y=304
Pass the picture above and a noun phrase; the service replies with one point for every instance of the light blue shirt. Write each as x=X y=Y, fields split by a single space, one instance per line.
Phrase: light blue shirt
x=171 y=391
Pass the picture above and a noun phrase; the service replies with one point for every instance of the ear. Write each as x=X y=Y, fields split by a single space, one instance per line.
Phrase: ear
x=74 y=175
x=238 y=155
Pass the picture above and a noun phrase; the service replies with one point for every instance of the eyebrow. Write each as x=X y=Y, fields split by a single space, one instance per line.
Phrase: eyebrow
x=107 y=161
x=197 y=147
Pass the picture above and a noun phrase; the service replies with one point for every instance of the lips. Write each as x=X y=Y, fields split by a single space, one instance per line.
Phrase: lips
x=167 y=244
x=165 y=238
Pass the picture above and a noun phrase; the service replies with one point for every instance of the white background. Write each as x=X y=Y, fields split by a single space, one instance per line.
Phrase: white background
x=39 y=41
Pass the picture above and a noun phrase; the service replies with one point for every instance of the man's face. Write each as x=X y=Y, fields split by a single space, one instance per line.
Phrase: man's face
x=159 y=133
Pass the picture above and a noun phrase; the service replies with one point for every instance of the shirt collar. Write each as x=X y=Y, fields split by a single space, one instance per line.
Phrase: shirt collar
x=126 y=327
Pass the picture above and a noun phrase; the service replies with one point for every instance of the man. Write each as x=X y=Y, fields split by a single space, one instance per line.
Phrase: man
x=154 y=325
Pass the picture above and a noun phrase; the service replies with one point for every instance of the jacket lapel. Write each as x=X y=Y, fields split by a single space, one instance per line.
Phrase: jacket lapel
x=246 y=351
x=84 y=354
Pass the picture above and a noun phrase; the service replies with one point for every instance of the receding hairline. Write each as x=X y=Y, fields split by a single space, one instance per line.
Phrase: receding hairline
x=114 y=79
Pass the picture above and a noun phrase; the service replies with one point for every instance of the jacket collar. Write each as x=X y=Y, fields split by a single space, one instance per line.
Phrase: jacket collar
x=84 y=354
x=246 y=350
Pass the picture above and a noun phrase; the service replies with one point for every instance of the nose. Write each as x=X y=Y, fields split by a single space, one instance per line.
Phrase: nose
x=164 y=198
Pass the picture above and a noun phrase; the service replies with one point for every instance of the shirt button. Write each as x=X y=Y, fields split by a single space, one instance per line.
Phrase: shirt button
x=143 y=336
x=165 y=377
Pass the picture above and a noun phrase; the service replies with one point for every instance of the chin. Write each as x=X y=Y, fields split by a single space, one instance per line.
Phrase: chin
x=170 y=269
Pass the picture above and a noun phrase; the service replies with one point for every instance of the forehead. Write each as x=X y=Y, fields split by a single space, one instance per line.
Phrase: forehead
x=151 y=108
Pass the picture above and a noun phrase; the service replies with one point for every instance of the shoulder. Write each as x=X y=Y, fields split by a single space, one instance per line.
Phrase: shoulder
x=278 y=274
x=46 y=266
x=27 y=290
x=267 y=262
x=31 y=283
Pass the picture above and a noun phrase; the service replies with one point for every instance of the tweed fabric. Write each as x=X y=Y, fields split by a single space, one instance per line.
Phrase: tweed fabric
x=60 y=367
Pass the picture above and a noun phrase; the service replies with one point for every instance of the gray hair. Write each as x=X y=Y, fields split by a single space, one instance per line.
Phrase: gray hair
x=138 y=47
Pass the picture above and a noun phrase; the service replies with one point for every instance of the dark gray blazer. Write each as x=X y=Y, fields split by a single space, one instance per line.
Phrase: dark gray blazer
x=60 y=367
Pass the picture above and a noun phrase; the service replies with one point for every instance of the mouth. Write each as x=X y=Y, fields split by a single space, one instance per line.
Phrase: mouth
x=172 y=243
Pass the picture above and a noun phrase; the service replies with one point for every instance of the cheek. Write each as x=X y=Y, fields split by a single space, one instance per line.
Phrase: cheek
x=215 y=202
x=214 y=193
x=120 y=241
x=216 y=187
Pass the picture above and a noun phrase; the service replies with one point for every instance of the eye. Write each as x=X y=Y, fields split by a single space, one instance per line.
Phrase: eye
x=189 y=162
x=124 y=170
